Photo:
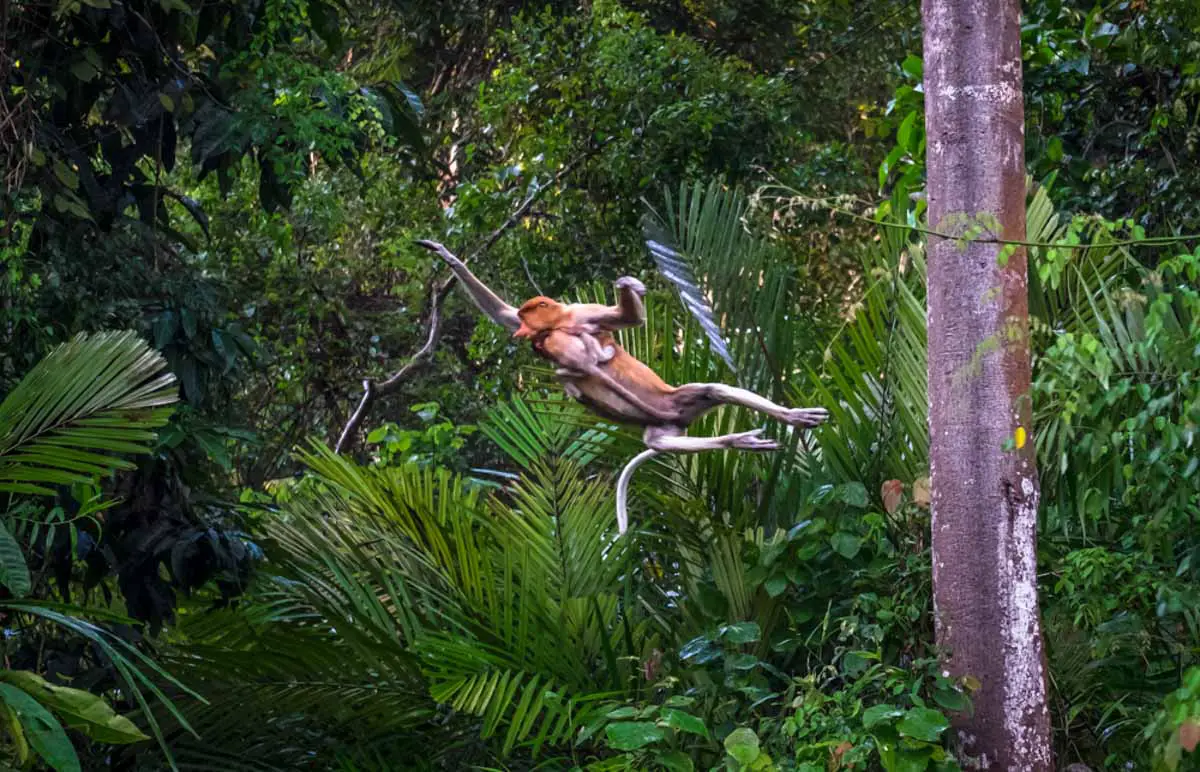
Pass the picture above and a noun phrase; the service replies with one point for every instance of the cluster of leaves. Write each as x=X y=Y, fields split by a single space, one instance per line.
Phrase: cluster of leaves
x=1112 y=106
x=71 y=419
x=1119 y=407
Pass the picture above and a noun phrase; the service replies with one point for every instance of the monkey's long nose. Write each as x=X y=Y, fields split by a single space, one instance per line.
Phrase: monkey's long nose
x=523 y=332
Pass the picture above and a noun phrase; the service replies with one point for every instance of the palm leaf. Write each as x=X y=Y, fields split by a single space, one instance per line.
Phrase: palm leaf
x=90 y=399
x=138 y=673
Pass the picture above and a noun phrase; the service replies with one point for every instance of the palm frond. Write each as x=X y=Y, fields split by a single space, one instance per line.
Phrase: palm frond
x=401 y=593
x=139 y=673
x=733 y=283
x=873 y=379
x=90 y=399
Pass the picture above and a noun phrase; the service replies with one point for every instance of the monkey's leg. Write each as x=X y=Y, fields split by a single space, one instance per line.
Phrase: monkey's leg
x=488 y=302
x=693 y=399
x=671 y=439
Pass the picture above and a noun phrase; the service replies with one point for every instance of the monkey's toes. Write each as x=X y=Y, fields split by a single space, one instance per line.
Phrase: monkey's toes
x=628 y=282
x=807 y=416
x=751 y=441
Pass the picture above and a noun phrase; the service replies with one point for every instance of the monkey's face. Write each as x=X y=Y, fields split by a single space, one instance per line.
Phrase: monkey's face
x=538 y=315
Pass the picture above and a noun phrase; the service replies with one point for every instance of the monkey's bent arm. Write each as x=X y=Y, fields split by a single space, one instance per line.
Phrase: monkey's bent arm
x=628 y=312
x=488 y=302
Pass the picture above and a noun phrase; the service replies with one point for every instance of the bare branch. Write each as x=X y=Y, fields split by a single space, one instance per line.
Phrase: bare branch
x=373 y=390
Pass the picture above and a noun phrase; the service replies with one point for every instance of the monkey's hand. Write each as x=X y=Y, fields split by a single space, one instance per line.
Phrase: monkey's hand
x=439 y=250
x=750 y=441
x=806 y=416
x=630 y=283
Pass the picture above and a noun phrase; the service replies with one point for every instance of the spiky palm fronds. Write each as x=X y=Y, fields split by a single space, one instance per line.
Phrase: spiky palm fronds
x=401 y=589
x=72 y=418
x=87 y=401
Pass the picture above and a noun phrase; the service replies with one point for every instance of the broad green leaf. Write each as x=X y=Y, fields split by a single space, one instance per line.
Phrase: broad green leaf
x=742 y=744
x=699 y=650
x=677 y=761
x=952 y=700
x=631 y=735
x=923 y=724
x=877 y=713
x=46 y=736
x=14 y=571
x=743 y=661
x=741 y=632
x=16 y=735
x=853 y=494
x=904 y=133
x=685 y=722
x=845 y=544
x=80 y=710
x=776 y=585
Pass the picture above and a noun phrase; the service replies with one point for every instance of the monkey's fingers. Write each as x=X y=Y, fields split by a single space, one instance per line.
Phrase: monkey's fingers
x=434 y=246
x=807 y=416
x=628 y=282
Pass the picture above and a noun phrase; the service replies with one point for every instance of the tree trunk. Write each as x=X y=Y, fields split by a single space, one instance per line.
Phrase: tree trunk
x=982 y=467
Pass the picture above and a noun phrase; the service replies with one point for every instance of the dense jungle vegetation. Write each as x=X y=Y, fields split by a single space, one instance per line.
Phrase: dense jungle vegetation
x=207 y=220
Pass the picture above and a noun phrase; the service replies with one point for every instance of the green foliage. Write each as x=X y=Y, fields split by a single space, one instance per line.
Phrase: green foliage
x=65 y=424
x=462 y=600
x=1175 y=731
x=86 y=400
x=1111 y=106
x=440 y=442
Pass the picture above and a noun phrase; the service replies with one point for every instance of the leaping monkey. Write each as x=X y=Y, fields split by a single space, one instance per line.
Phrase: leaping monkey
x=624 y=389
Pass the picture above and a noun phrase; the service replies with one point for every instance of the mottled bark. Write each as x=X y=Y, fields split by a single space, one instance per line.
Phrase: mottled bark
x=984 y=487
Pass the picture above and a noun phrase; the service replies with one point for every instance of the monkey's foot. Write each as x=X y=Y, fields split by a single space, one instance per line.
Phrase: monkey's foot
x=628 y=282
x=806 y=416
x=750 y=441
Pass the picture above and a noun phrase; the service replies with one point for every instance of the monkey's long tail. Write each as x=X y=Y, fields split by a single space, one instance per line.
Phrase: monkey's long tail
x=623 y=486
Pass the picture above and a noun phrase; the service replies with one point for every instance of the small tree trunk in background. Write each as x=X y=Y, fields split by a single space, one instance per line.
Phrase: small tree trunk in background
x=985 y=488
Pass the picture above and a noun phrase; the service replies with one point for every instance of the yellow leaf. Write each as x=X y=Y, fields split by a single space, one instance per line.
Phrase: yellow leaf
x=1019 y=437
x=921 y=492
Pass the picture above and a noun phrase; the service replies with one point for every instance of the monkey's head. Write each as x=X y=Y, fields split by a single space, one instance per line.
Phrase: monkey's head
x=539 y=314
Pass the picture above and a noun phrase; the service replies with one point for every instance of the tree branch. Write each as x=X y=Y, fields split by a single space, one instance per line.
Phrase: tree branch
x=373 y=390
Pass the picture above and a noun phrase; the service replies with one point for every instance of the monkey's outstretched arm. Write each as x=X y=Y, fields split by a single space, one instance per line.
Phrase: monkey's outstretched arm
x=488 y=302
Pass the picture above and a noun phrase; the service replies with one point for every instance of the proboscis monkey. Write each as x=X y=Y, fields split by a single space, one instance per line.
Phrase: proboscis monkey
x=681 y=405
x=566 y=335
